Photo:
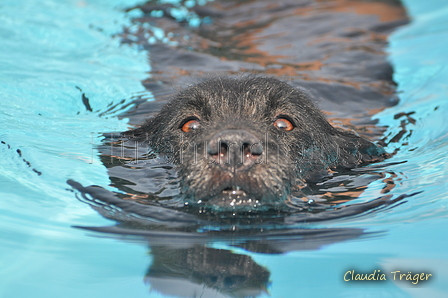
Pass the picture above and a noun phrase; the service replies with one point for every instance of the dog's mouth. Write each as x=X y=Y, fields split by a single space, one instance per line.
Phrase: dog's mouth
x=234 y=191
x=234 y=197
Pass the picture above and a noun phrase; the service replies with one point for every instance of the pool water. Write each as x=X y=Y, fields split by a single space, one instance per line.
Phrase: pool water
x=55 y=53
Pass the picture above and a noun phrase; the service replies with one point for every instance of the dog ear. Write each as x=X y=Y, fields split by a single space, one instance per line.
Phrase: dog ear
x=354 y=150
x=143 y=111
x=139 y=134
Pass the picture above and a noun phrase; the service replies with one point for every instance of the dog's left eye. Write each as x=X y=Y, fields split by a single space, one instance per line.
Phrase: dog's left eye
x=283 y=124
x=190 y=125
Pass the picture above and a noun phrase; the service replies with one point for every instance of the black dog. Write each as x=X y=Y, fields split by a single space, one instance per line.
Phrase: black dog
x=249 y=142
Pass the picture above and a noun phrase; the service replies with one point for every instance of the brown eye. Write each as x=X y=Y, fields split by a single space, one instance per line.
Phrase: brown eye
x=283 y=124
x=190 y=125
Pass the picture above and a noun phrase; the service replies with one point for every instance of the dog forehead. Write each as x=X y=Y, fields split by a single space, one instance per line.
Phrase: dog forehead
x=243 y=96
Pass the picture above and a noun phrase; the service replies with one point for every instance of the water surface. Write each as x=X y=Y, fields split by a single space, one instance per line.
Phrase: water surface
x=52 y=53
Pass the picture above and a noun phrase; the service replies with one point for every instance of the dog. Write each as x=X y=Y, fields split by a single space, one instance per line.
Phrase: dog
x=249 y=142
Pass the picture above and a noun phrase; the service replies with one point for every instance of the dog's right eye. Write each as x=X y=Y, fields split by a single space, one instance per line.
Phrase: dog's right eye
x=190 y=125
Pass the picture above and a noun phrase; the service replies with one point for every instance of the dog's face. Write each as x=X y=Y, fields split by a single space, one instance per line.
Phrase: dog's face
x=246 y=143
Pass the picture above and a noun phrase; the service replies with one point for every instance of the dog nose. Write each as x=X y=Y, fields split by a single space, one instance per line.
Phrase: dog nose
x=235 y=149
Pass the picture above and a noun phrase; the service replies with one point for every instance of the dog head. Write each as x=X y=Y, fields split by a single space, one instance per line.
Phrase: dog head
x=247 y=142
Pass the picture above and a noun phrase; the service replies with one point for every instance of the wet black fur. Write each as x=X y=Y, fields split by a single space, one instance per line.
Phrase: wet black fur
x=251 y=104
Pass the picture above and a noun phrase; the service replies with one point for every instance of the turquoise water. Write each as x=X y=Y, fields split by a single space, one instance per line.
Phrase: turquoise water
x=52 y=52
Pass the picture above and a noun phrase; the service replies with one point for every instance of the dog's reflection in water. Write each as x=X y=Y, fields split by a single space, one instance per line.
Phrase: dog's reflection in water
x=209 y=272
x=196 y=270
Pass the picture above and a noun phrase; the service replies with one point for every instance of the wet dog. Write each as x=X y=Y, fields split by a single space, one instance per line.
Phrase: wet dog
x=250 y=142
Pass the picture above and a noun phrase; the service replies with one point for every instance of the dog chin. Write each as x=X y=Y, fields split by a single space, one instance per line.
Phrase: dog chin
x=236 y=199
